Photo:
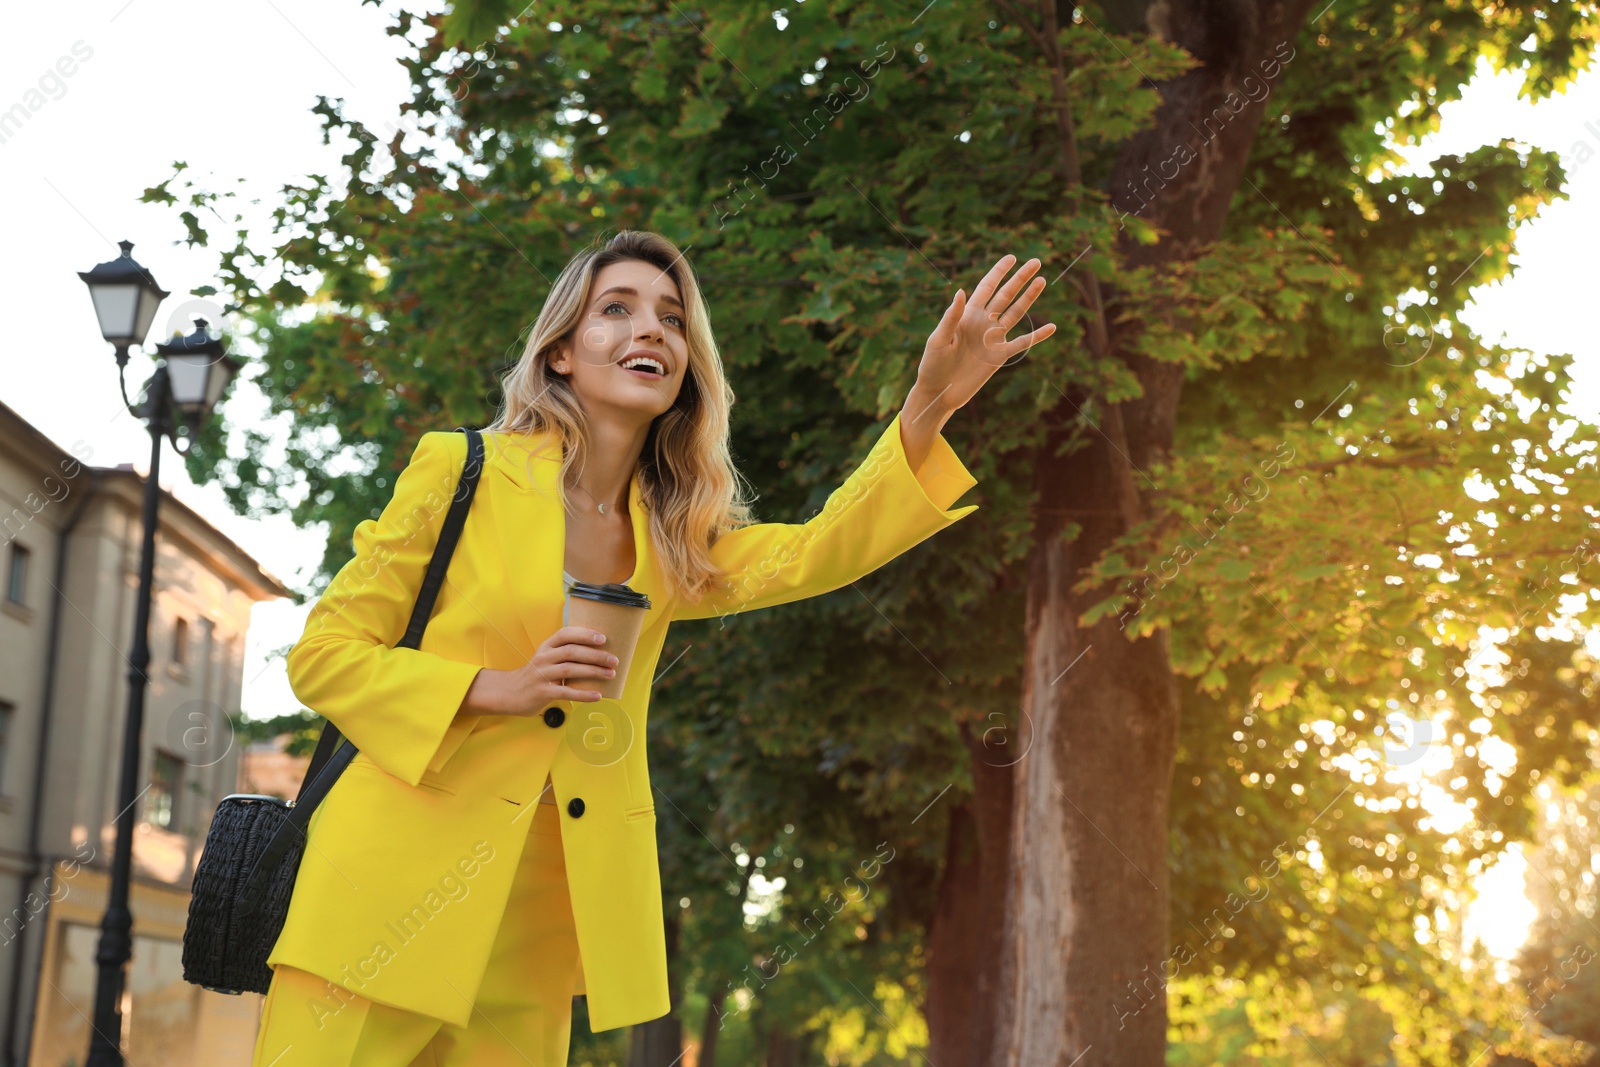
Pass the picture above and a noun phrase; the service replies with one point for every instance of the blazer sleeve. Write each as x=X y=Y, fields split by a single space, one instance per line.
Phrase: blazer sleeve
x=394 y=704
x=880 y=511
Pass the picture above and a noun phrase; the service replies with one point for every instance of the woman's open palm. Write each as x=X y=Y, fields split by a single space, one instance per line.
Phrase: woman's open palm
x=969 y=344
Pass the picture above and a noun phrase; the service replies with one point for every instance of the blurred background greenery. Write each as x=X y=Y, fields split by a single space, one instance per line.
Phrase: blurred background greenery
x=1360 y=521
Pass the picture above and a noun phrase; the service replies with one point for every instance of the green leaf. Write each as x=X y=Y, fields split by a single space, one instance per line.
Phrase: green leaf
x=650 y=84
x=1235 y=570
x=1277 y=684
x=700 y=117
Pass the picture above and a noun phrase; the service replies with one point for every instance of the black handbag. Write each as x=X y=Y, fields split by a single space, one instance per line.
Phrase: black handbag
x=245 y=877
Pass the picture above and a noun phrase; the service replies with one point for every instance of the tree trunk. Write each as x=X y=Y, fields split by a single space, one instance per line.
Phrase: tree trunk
x=1085 y=935
x=709 y=1032
x=659 y=1042
x=714 y=1019
x=1088 y=889
x=785 y=1049
x=964 y=938
x=953 y=949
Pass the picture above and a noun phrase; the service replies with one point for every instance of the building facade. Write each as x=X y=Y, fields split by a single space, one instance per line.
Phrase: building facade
x=266 y=767
x=70 y=538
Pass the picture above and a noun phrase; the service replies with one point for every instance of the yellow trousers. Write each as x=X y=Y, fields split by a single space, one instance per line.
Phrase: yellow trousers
x=522 y=1016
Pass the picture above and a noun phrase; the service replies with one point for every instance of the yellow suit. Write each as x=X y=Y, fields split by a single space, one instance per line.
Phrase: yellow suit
x=410 y=857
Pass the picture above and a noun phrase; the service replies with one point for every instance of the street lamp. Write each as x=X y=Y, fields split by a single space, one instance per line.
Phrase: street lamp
x=187 y=384
x=125 y=300
x=198 y=370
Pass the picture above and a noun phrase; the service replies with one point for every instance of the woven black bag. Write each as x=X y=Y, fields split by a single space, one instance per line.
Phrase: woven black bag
x=245 y=877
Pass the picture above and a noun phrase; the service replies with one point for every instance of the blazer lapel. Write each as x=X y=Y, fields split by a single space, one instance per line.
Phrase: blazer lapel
x=531 y=531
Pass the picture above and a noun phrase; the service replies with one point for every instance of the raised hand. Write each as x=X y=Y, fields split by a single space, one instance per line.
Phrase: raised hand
x=969 y=344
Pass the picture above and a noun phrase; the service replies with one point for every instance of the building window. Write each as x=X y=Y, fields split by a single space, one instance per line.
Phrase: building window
x=164 y=1015
x=166 y=779
x=17 y=575
x=7 y=713
x=180 y=641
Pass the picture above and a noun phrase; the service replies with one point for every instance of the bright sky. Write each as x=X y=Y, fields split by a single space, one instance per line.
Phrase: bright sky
x=226 y=88
x=1546 y=305
x=166 y=80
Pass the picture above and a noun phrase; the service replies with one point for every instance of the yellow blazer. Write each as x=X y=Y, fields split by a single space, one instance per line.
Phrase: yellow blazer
x=410 y=857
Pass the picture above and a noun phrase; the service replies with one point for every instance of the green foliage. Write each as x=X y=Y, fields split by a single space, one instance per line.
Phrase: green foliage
x=304 y=726
x=1558 y=970
x=1319 y=557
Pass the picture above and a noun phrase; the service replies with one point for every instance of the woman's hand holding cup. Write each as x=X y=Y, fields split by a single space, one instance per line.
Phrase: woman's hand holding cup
x=571 y=652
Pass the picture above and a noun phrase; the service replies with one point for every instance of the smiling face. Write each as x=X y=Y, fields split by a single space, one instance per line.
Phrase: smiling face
x=630 y=350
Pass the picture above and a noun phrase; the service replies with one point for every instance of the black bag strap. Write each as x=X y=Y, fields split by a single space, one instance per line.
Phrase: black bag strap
x=331 y=757
x=432 y=582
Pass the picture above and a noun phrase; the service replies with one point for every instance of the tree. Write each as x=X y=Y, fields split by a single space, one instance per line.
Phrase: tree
x=1257 y=337
x=302 y=726
x=1557 y=966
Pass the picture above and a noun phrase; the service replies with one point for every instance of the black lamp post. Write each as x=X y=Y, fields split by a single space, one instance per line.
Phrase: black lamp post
x=192 y=377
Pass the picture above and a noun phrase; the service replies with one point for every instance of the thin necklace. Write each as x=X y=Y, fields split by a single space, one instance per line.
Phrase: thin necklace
x=598 y=506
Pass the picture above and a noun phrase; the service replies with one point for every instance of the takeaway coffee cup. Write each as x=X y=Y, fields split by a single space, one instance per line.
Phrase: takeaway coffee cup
x=616 y=611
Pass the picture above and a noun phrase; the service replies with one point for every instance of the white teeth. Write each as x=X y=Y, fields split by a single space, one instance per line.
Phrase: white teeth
x=659 y=367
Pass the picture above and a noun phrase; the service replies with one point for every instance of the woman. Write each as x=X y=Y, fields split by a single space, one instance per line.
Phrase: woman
x=491 y=850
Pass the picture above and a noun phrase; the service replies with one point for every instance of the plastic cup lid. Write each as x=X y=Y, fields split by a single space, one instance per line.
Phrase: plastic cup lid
x=610 y=593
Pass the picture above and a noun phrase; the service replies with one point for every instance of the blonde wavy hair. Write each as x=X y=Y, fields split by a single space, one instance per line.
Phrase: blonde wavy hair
x=690 y=488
